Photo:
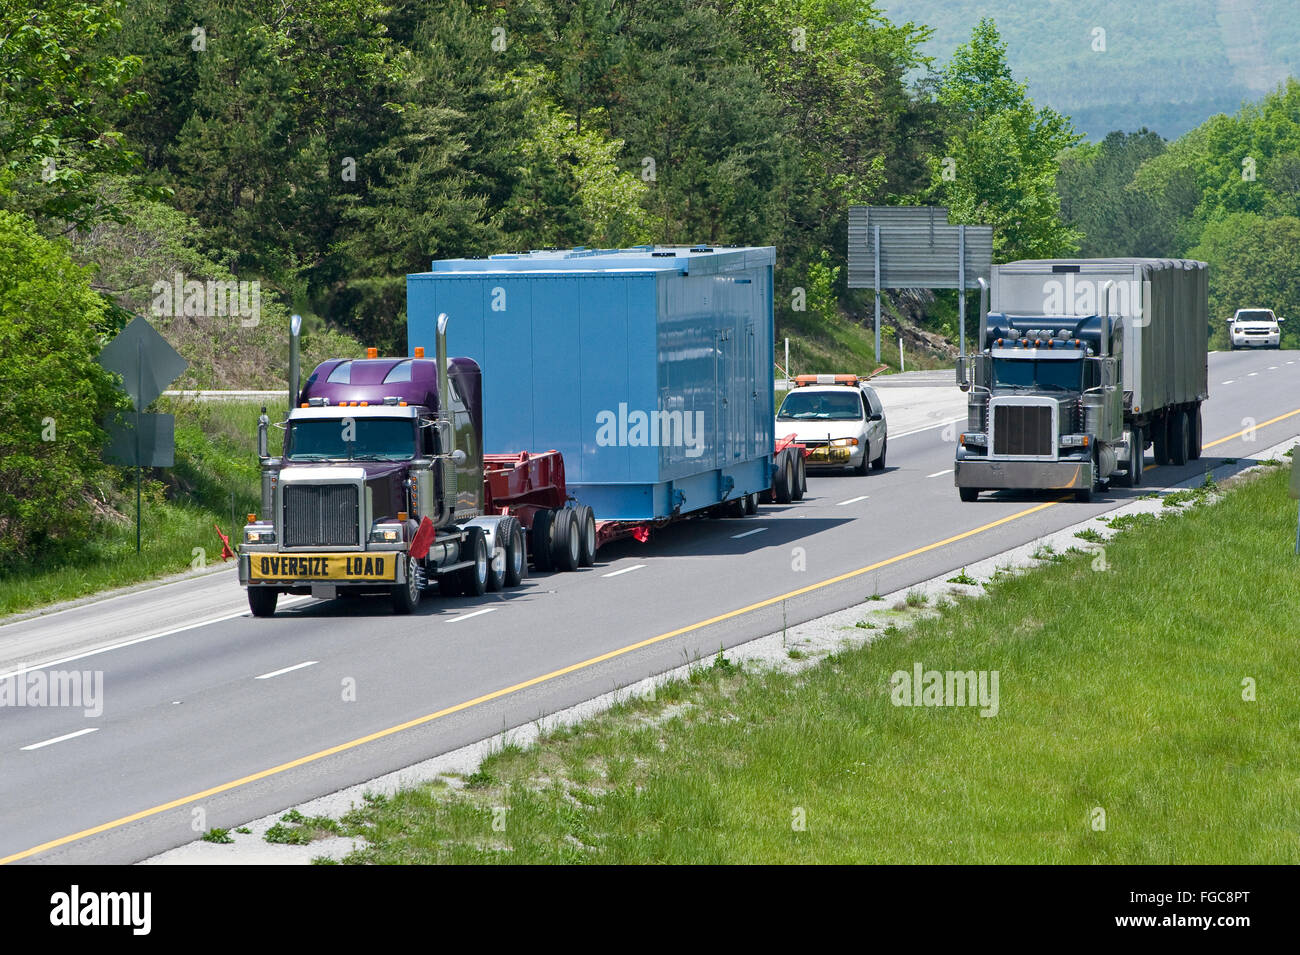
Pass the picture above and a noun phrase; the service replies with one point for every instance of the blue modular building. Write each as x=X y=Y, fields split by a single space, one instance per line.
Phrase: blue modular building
x=649 y=369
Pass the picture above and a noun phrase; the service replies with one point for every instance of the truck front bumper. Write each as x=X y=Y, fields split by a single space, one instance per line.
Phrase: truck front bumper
x=302 y=570
x=994 y=474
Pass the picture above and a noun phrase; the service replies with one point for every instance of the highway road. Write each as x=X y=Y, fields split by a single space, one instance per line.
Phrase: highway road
x=207 y=709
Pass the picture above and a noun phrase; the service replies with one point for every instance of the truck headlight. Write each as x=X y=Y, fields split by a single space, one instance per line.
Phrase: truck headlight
x=975 y=439
x=386 y=534
x=844 y=443
x=1074 y=440
x=259 y=534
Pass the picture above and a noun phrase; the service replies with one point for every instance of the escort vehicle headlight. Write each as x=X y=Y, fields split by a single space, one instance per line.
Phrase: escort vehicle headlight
x=386 y=534
x=845 y=443
x=259 y=534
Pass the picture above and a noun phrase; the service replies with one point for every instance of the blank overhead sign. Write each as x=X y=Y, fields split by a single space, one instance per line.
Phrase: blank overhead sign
x=919 y=248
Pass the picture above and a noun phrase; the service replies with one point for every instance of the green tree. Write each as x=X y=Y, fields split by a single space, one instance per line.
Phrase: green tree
x=1000 y=156
x=1097 y=197
x=56 y=89
x=1253 y=263
x=52 y=393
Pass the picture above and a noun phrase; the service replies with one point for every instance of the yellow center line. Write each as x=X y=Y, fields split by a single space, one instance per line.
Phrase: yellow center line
x=515 y=688
x=554 y=674
x=1262 y=424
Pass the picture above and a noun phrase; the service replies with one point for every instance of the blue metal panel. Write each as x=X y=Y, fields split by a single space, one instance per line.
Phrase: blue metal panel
x=649 y=369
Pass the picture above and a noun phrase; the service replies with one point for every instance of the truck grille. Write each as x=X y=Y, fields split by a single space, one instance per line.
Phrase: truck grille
x=320 y=515
x=1022 y=429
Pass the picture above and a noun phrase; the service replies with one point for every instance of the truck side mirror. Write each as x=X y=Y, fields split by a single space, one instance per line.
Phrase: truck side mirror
x=962 y=383
x=458 y=456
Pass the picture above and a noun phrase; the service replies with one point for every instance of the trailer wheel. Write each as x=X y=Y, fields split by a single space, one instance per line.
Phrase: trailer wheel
x=261 y=600
x=801 y=483
x=750 y=502
x=406 y=597
x=969 y=494
x=1160 y=440
x=586 y=536
x=1194 y=452
x=783 y=483
x=540 y=542
x=1179 y=439
x=512 y=532
x=566 y=542
x=1136 y=445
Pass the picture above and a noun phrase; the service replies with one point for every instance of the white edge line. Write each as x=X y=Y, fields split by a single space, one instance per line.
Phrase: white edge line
x=625 y=570
x=756 y=530
x=466 y=616
x=296 y=666
x=852 y=500
x=60 y=739
x=132 y=642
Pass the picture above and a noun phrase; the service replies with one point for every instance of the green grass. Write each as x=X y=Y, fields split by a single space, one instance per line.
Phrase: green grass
x=215 y=455
x=1119 y=690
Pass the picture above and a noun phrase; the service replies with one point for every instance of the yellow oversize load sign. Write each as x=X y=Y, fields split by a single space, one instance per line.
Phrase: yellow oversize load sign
x=824 y=455
x=323 y=566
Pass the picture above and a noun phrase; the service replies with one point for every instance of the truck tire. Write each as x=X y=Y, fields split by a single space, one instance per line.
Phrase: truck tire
x=1160 y=439
x=969 y=494
x=1135 y=457
x=496 y=579
x=540 y=542
x=751 y=504
x=586 y=536
x=406 y=597
x=261 y=600
x=879 y=463
x=511 y=533
x=566 y=545
x=801 y=484
x=783 y=481
x=1194 y=452
x=473 y=580
x=1180 y=438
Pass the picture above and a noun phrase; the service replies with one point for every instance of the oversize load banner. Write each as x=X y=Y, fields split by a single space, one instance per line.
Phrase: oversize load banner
x=307 y=567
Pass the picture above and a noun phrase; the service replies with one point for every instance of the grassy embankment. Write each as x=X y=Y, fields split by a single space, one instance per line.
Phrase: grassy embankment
x=1121 y=691
x=216 y=444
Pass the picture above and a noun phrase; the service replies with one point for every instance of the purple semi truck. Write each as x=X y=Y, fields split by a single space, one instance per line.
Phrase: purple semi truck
x=382 y=489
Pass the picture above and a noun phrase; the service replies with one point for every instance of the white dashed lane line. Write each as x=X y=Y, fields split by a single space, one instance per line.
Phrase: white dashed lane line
x=756 y=530
x=60 y=739
x=466 y=616
x=852 y=500
x=625 y=570
x=296 y=666
x=940 y=473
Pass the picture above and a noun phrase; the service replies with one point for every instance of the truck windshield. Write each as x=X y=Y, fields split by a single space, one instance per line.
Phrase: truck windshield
x=822 y=406
x=1046 y=375
x=351 y=439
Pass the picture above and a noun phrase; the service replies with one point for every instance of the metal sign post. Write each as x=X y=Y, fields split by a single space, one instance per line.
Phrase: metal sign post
x=147 y=364
x=876 y=246
x=916 y=247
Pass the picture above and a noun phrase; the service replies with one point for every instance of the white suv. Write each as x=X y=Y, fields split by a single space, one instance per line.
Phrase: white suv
x=1255 y=328
x=839 y=419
